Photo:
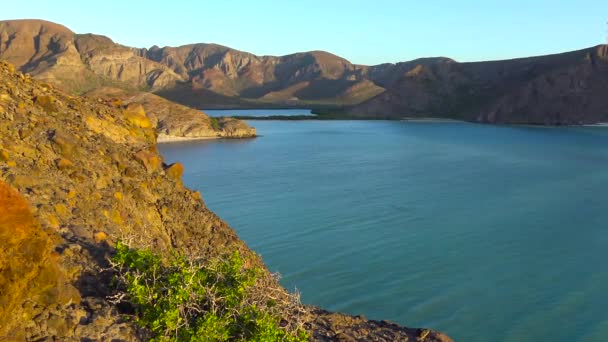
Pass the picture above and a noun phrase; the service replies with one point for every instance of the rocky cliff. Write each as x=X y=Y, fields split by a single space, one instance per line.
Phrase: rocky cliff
x=77 y=175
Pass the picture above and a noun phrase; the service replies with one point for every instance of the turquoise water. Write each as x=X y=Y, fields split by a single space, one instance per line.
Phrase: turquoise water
x=488 y=233
x=257 y=112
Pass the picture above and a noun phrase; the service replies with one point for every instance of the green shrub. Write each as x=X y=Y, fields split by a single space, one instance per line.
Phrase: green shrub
x=215 y=123
x=188 y=300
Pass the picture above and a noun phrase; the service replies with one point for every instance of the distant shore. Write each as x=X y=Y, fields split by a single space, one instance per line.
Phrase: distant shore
x=428 y=119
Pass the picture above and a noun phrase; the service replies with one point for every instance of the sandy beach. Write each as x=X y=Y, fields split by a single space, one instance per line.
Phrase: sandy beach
x=171 y=138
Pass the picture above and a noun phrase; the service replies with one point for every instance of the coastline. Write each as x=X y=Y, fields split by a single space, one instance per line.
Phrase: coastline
x=599 y=124
x=161 y=139
x=428 y=119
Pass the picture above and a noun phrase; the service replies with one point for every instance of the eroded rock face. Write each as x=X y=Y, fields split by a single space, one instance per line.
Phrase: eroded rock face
x=233 y=128
x=77 y=63
x=31 y=280
x=202 y=74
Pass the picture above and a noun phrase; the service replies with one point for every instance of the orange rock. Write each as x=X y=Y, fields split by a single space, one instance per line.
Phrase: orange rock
x=175 y=171
x=151 y=161
x=116 y=217
x=61 y=210
x=47 y=102
x=71 y=194
x=118 y=196
x=28 y=269
x=100 y=237
x=136 y=115
x=52 y=221
x=196 y=195
x=66 y=144
x=117 y=103
x=63 y=163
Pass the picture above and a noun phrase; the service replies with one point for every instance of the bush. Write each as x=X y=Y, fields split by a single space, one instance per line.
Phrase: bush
x=215 y=123
x=188 y=300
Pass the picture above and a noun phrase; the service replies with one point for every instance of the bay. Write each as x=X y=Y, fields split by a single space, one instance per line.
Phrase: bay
x=482 y=232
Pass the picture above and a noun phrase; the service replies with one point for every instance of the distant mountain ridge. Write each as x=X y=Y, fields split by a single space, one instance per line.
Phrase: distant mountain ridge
x=565 y=88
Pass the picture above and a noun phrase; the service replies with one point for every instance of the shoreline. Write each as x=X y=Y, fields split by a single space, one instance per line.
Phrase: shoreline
x=172 y=138
x=599 y=124
x=428 y=119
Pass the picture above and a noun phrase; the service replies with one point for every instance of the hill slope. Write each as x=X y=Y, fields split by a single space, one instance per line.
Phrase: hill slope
x=567 y=88
x=198 y=75
x=87 y=63
x=77 y=62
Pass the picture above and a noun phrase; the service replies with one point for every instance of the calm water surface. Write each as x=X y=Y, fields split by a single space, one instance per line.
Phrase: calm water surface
x=488 y=233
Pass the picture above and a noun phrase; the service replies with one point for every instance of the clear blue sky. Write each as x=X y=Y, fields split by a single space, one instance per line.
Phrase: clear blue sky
x=365 y=32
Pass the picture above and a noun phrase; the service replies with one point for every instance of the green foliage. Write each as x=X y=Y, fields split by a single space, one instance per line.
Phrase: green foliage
x=215 y=124
x=186 y=300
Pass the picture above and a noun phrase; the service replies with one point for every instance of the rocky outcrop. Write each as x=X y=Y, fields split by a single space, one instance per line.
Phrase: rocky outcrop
x=77 y=175
x=120 y=63
x=233 y=128
x=91 y=174
x=31 y=279
x=174 y=120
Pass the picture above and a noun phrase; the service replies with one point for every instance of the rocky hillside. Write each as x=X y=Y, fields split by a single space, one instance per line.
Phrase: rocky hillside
x=199 y=75
x=315 y=77
x=173 y=120
x=77 y=175
x=566 y=88
x=77 y=62
x=87 y=63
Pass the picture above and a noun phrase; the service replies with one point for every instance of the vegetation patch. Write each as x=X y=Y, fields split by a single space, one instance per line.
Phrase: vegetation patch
x=215 y=124
x=184 y=299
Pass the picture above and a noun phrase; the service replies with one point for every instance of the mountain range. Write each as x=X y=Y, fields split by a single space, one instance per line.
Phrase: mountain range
x=566 y=88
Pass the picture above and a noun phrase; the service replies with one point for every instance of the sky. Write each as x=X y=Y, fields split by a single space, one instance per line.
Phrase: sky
x=364 y=32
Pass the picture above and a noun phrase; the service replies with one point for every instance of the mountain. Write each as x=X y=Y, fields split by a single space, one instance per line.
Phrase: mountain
x=93 y=64
x=566 y=88
x=76 y=176
x=315 y=77
x=198 y=75
x=77 y=62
